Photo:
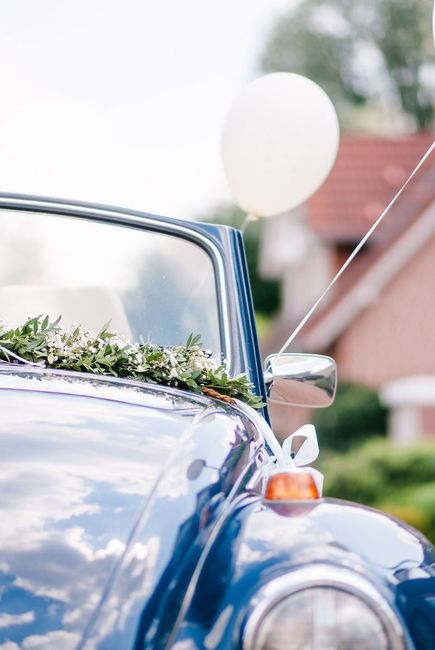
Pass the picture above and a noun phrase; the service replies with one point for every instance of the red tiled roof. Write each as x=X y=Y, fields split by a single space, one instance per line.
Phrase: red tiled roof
x=367 y=174
x=419 y=194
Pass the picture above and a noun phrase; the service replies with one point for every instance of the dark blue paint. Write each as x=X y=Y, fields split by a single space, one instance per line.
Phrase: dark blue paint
x=194 y=547
x=259 y=543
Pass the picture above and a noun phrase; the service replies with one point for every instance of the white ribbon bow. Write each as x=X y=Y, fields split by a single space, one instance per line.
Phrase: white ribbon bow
x=306 y=454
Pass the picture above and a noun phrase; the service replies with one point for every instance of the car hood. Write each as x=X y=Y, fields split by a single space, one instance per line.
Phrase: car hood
x=92 y=472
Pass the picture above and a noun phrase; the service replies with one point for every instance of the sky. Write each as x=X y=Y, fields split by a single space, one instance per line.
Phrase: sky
x=122 y=101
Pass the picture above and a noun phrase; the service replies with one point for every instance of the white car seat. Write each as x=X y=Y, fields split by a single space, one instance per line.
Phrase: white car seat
x=91 y=307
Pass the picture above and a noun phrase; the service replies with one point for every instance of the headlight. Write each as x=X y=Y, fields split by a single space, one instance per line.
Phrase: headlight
x=322 y=608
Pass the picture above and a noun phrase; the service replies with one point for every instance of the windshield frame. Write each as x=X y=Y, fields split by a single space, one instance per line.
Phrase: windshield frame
x=145 y=221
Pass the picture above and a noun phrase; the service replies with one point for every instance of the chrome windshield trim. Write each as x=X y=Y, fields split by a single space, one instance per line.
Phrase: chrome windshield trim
x=21 y=360
x=126 y=217
x=322 y=575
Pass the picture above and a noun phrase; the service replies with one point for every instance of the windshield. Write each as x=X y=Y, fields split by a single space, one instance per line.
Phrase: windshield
x=150 y=285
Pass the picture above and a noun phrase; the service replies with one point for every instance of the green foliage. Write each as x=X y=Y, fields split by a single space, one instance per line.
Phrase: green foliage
x=414 y=505
x=263 y=323
x=377 y=469
x=184 y=366
x=398 y=480
x=355 y=416
x=360 y=52
x=265 y=292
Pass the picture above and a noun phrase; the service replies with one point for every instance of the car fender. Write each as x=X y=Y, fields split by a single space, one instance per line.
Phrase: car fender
x=262 y=541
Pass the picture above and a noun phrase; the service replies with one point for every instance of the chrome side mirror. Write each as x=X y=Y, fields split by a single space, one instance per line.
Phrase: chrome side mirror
x=301 y=379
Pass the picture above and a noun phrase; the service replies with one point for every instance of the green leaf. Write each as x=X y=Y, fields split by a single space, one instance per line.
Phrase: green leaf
x=104 y=329
x=193 y=340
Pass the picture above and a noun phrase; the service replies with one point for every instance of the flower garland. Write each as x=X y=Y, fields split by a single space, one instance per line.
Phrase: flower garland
x=108 y=353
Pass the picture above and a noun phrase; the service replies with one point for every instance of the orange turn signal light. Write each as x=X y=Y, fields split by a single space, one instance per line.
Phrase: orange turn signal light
x=291 y=486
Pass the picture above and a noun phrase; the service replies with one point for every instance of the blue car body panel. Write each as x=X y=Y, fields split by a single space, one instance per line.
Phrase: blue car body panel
x=104 y=496
x=132 y=514
x=261 y=542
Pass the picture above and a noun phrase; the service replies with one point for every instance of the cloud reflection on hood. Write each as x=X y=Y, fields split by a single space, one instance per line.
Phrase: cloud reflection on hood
x=74 y=472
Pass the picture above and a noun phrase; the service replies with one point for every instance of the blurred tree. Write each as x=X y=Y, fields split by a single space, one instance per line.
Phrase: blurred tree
x=362 y=52
x=265 y=292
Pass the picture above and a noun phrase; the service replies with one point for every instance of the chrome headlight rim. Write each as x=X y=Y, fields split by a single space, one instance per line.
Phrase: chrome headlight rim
x=329 y=576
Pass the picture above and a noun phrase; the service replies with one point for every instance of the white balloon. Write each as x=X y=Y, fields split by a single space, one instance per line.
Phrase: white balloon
x=279 y=142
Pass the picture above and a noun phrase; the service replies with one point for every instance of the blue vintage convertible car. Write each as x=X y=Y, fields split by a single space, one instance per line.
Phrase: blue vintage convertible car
x=135 y=515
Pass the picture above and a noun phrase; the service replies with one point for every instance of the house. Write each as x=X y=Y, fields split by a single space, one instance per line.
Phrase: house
x=379 y=320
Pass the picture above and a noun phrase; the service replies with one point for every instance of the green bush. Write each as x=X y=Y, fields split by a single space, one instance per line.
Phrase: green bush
x=398 y=480
x=355 y=415
x=416 y=506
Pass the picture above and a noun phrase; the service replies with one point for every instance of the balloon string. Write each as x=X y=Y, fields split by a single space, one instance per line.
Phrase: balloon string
x=357 y=250
x=248 y=219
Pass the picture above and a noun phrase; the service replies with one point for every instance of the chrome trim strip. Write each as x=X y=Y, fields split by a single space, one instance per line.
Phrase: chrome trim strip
x=87 y=380
x=264 y=429
x=26 y=362
x=322 y=575
x=128 y=218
